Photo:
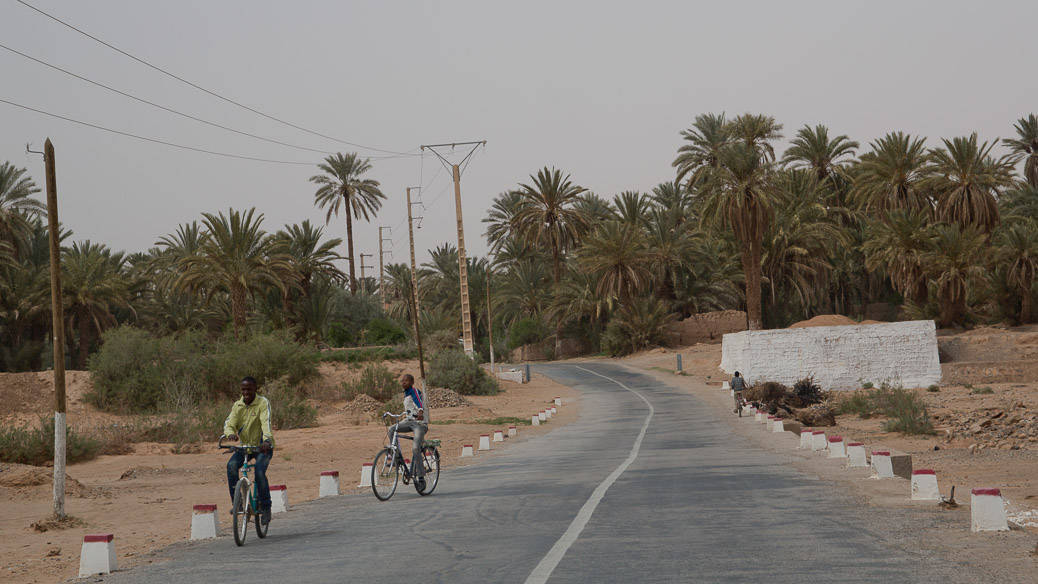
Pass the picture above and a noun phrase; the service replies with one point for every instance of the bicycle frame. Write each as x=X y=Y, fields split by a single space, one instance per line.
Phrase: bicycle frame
x=394 y=447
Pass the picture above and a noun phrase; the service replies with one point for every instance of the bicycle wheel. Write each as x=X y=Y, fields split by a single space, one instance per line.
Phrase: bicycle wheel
x=240 y=506
x=431 y=462
x=384 y=475
x=261 y=530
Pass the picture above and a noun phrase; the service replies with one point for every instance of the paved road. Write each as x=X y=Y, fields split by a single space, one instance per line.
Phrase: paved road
x=695 y=503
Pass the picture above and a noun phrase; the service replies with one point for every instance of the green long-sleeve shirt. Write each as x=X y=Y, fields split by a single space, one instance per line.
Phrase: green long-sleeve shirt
x=250 y=422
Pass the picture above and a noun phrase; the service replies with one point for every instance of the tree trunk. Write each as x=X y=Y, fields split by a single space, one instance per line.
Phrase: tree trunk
x=83 y=348
x=556 y=276
x=1025 y=304
x=349 y=247
x=751 y=271
x=239 y=296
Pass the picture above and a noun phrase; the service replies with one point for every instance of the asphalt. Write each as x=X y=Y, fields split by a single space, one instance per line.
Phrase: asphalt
x=697 y=503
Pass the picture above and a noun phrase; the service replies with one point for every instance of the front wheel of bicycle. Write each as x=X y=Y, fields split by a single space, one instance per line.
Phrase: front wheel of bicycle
x=240 y=507
x=431 y=462
x=385 y=474
x=261 y=530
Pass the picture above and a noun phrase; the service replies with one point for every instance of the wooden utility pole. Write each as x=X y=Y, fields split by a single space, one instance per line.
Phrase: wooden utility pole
x=363 y=268
x=414 y=293
x=463 y=272
x=381 y=265
x=57 y=321
x=490 y=324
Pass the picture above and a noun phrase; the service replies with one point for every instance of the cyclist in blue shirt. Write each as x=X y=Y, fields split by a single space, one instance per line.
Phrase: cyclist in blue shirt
x=417 y=421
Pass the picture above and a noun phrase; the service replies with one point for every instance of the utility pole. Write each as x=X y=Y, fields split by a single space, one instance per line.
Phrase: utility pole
x=490 y=324
x=57 y=321
x=414 y=295
x=362 y=266
x=381 y=265
x=463 y=272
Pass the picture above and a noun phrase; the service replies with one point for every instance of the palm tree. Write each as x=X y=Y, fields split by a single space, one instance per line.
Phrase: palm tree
x=812 y=149
x=709 y=134
x=341 y=187
x=1019 y=202
x=616 y=255
x=757 y=131
x=93 y=286
x=16 y=208
x=631 y=207
x=500 y=218
x=898 y=246
x=955 y=264
x=548 y=217
x=890 y=175
x=1026 y=144
x=966 y=181
x=522 y=292
x=593 y=208
x=235 y=258
x=670 y=243
x=308 y=255
x=1018 y=250
x=739 y=196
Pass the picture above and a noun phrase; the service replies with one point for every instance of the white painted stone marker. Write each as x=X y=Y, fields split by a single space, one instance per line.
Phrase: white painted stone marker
x=535 y=420
x=547 y=414
x=554 y=411
x=484 y=441
x=204 y=524
x=466 y=450
x=558 y=401
x=365 y=474
x=778 y=426
x=881 y=464
x=856 y=455
x=725 y=385
x=278 y=498
x=805 y=438
x=924 y=485
x=818 y=441
x=758 y=416
x=512 y=431
x=542 y=417
x=987 y=510
x=768 y=419
x=97 y=555
x=499 y=436
x=329 y=484
x=837 y=448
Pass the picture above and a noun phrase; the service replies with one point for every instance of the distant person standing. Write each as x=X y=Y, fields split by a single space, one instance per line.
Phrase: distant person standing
x=738 y=386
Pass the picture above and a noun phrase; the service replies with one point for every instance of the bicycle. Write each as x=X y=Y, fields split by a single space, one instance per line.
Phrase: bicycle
x=389 y=462
x=245 y=505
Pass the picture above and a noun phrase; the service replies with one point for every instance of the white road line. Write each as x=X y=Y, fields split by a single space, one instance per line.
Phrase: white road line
x=551 y=560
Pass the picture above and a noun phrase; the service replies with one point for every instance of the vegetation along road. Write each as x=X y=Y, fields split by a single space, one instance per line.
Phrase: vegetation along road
x=630 y=493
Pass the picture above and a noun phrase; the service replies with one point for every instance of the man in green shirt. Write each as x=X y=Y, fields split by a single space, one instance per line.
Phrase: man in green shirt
x=250 y=421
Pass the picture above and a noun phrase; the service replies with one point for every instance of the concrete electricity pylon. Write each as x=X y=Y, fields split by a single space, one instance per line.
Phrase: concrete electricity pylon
x=414 y=291
x=381 y=264
x=463 y=273
x=58 y=323
x=362 y=266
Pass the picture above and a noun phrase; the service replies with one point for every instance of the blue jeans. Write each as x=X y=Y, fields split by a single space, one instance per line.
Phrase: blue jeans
x=260 y=470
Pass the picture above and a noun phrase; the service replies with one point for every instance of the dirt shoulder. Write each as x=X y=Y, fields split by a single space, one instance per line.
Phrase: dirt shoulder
x=1007 y=554
x=145 y=498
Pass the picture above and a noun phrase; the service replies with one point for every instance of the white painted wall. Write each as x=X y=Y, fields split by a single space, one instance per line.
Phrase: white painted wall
x=838 y=357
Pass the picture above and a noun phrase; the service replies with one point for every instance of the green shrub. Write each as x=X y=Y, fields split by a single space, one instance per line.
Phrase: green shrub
x=265 y=357
x=28 y=445
x=615 y=342
x=904 y=409
x=867 y=385
x=290 y=410
x=381 y=331
x=525 y=332
x=128 y=371
x=376 y=381
x=933 y=388
x=373 y=354
x=982 y=391
x=340 y=336
x=808 y=391
x=504 y=421
x=454 y=370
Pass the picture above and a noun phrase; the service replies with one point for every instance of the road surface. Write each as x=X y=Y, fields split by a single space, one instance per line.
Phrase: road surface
x=648 y=486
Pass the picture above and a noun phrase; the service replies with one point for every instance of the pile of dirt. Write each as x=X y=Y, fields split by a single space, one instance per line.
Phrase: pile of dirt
x=805 y=406
x=446 y=398
x=55 y=524
x=830 y=320
x=27 y=479
x=1012 y=428
x=362 y=404
x=139 y=472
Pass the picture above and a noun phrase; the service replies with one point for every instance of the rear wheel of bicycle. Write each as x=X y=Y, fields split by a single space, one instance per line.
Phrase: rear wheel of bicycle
x=385 y=474
x=261 y=530
x=240 y=507
x=431 y=462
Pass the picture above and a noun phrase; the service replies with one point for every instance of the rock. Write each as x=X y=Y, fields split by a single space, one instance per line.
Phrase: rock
x=973 y=448
x=54 y=551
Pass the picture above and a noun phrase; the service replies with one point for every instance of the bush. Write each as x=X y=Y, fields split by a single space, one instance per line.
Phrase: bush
x=904 y=409
x=525 y=332
x=982 y=391
x=290 y=410
x=265 y=357
x=340 y=336
x=372 y=354
x=381 y=331
x=867 y=385
x=375 y=380
x=638 y=325
x=454 y=370
x=393 y=406
x=28 y=445
x=933 y=388
x=615 y=342
x=808 y=391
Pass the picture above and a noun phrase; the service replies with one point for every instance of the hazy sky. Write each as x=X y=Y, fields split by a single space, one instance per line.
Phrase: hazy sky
x=598 y=89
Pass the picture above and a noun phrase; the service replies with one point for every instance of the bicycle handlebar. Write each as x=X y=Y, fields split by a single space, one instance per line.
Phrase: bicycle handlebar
x=247 y=448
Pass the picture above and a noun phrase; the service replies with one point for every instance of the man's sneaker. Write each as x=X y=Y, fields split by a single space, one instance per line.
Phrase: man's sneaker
x=265 y=517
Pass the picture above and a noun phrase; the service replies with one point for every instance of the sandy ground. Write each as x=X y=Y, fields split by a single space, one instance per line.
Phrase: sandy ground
x=956 y=463
x=145 y=498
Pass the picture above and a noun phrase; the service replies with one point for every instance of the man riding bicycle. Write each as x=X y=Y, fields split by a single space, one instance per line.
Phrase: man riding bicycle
x=250 y=420
x=417 y=421
x=738 y=387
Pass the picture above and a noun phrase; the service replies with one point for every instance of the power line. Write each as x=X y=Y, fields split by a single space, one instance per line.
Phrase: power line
x=160 y=106
x=153 y=140
x=208 y=91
